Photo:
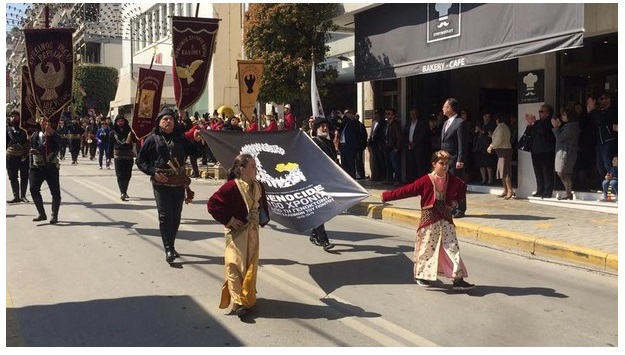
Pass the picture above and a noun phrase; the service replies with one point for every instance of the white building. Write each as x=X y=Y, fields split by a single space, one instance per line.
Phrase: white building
x=148 y=28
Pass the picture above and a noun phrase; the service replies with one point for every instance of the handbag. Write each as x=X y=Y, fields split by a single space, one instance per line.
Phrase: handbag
x=525 y=143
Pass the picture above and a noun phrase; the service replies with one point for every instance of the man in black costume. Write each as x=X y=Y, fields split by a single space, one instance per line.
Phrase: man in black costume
x=44 y=166
x=162 y=157
x=17 y=158
x=321 y=137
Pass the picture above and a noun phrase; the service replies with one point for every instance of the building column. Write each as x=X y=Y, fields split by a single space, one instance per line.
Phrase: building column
x=526 y=179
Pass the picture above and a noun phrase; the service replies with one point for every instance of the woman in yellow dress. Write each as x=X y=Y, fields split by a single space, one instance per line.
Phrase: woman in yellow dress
x=240 y=205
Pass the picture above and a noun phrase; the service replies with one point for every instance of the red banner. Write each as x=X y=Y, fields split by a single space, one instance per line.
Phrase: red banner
x=147 y=101
x=50 y=56
x=28 y=108
x=193 y=42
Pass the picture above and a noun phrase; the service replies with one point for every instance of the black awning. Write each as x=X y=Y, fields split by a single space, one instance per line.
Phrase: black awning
x=399 y=40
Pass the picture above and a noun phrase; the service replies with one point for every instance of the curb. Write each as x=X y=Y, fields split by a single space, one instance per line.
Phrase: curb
x=538 y=246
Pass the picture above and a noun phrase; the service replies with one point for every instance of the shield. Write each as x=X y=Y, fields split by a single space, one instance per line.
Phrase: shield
x=225 y=110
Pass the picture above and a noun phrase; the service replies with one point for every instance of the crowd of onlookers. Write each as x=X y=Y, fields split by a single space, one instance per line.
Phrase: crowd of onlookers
x=572 y=149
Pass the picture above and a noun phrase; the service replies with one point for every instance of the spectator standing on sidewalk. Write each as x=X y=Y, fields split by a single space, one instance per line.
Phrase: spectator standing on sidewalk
x=543 y=150
x=436 y=248
x=611 y=180
x=454 y=140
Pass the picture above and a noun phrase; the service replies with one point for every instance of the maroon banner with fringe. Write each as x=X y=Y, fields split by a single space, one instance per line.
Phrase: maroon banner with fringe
x=28 y=108
x=50 y=60
x=193 y=41
x=147 y=101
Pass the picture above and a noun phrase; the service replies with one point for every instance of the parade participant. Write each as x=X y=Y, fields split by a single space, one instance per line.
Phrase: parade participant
x=61 y=130
x=240 y=205
x=436 y=248
x=289 y=119
x=44 y=166
x=254 y=125
x=321 y=137
x=102 y=137
x=272 y=125
x=17 y=158
x=162 y=157
x=120 y=145
x=74 y=135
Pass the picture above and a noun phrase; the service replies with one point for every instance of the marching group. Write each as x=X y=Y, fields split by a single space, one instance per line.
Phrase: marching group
x=438 y=153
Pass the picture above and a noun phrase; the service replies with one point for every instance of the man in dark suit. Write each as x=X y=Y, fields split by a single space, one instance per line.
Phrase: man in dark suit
x=377 y=158
x=454 y=141
x=393 y=148
x=418 y=146
x=349 y=142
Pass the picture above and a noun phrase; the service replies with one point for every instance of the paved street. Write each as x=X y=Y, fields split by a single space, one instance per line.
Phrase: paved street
x=98 y=278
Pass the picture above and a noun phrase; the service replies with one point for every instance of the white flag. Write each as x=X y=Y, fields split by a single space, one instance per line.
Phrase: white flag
x=315 y=100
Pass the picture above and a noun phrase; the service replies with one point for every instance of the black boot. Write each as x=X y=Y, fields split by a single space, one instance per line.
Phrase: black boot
x=56 y=204
x=15 y=186
x=169 y=255
x=314 y=238
x=15 y=200
x=325 y=241
x=39 y=205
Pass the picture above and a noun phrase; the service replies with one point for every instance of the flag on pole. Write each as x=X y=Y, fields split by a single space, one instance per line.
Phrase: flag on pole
x=315 y=100
x=193 y=42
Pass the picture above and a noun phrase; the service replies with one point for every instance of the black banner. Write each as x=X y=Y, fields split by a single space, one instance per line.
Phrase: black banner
x=193 y=42
x=50 y=60
x=305 y=188
x=147 y=101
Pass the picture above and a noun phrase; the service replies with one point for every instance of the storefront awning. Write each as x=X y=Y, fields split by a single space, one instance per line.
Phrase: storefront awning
x=399 y=40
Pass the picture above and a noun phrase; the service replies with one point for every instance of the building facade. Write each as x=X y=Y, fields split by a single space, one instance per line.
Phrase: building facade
x=417 y=55
x=148 y=27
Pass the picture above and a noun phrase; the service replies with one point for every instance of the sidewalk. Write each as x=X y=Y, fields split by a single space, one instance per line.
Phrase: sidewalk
x=586 y=238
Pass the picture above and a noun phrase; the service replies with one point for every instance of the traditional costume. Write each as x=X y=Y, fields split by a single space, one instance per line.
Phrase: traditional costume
x=166 y=153
x=436 y=247
x=245 y=202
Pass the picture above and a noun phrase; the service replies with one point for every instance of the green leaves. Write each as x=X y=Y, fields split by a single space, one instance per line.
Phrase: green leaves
x=94 y=85
x=286 y=36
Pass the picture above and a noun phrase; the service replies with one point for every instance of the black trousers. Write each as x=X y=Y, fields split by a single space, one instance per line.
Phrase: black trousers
x=123 y=171
x=360 y=164
x=377 y=163
x=74 y=148
x=544 y=171
x=49 y=174
x=169 y=201
x=459 y=173
x=17 y=169
x=320 y=234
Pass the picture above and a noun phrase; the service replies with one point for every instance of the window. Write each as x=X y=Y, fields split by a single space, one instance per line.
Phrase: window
x=92 y=53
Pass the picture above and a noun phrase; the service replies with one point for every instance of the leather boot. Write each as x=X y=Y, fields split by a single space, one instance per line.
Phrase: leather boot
x=314 y=237
x=15 y=187
x=169 y=255
x=56 y=204
x=38 y=201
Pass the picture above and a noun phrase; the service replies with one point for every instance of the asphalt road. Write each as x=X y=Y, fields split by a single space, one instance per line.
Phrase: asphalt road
x=99 y=278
